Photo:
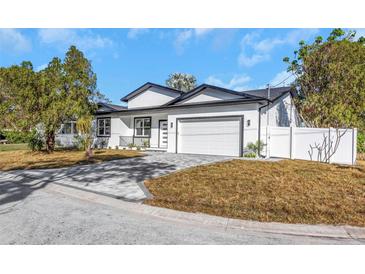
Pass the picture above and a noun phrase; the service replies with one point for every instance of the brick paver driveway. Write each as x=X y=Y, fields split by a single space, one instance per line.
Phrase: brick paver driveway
x=119 y=178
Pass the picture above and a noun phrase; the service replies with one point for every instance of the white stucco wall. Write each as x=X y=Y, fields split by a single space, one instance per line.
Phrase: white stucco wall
x=281 y=114
x=152 y=97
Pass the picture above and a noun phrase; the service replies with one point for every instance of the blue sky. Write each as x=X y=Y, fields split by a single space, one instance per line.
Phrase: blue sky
x=124 y=59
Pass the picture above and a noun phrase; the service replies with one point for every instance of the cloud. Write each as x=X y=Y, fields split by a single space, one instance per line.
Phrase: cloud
x=200 y=32
x=13 y=40
x=184 y=36
x=134 y=33
x=237 y=82
x=85 y=40
x=254 y=50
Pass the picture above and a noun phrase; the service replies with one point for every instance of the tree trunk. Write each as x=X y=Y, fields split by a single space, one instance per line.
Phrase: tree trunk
x=50 y=141
x=89 y=153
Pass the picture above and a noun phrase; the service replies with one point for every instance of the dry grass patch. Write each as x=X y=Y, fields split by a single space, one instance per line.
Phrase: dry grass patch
x=23 y=159
x=285 y=191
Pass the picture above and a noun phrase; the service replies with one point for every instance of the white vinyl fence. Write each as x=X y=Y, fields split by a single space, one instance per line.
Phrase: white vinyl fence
x=316 y=144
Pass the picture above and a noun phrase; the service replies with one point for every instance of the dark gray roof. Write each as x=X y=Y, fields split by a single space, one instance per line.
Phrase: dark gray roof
x=108 y=108
x=248 y=96
x=274 y=92
x=145 y=87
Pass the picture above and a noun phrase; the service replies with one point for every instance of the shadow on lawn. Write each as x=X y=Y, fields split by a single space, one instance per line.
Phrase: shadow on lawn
x=18 y=184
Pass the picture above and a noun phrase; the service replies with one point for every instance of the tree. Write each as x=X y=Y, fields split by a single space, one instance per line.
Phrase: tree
x=330 y=80
x=17 y=105
x=330 y=84
x=61 y=92
x=70 y=92
x=181 y=81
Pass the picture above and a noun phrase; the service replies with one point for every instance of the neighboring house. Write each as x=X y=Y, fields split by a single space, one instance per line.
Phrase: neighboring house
x=205 y=120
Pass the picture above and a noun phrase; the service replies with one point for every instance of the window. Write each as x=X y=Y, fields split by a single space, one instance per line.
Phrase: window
x=103 y=127
x=68 y=128
x=142 y=127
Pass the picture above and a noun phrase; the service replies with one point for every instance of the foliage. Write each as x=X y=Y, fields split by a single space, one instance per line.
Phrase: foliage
x=330 y=80
x=130 y=145
x=18 y=98
x=64 y=90
x=181 y=81
x=84 y=127
x=146 y=144
x=36 y=141
x=16 y=137
x=361 y=142
x=255 y=147
x=250 y=155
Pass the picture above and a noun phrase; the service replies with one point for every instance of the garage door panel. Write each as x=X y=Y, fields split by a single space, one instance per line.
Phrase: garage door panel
x=216 y=136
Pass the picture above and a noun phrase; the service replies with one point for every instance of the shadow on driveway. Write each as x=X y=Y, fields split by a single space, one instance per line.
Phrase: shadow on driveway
x=121 y=178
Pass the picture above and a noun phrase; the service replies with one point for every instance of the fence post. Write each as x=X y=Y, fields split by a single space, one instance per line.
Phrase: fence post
x=267 y=142
x=292 y=142
x=354 y=145
x=329 y=146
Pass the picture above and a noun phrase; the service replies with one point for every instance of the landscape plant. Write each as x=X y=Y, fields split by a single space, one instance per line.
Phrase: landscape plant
x=36 y=142
x=330 y=86
x=64 y=91
x=84 y=127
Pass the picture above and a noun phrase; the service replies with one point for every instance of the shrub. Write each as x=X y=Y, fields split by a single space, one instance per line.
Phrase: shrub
x=361 y=142
x=16 y=137
x=250 y=155
x=130 y=145
x=79 y=142
x=146 y=144
x=254 y=147
x=35 y=142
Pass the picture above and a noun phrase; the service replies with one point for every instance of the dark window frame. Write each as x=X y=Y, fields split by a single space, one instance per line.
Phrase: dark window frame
x=97 y=127
x=134 y=127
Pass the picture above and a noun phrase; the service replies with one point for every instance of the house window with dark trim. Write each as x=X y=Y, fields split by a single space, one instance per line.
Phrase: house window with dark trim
x=103 y=128
x=142 y=127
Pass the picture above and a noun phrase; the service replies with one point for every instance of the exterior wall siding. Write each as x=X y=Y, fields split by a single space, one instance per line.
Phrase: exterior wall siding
x=210 y=95
x=151 y=97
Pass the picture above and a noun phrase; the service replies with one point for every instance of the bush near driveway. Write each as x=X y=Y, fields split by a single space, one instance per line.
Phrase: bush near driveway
x=16 y=137
x=285 y=191
x=361 y=142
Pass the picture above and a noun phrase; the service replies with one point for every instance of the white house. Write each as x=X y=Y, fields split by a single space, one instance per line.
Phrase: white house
x=205 y=120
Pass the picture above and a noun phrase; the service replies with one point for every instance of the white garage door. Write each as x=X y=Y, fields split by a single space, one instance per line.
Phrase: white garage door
x=215 y=136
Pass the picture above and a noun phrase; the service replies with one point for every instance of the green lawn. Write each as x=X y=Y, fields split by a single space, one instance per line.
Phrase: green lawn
x=10 y=147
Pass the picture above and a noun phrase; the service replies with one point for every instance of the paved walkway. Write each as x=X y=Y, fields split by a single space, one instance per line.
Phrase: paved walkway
x=122 y=179
x=53 y=214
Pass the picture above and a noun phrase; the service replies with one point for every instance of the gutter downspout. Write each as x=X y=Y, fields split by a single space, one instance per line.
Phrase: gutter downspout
x=267 y=119
x=259 y=131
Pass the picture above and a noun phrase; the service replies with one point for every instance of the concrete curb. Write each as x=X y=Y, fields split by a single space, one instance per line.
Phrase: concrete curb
x=226 y=224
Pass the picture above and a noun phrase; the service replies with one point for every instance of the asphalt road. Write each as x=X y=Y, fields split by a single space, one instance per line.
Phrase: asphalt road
x=42 y=215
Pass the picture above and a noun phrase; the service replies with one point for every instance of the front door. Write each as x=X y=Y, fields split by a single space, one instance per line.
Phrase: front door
x=162 y=137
